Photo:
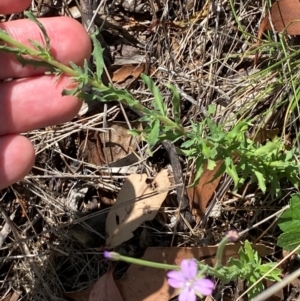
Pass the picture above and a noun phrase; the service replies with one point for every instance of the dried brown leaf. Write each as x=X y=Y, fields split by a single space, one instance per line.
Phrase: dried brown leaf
x=105 y=289
x=200 y=195
x=114 y=144
x=102 y=290
x=117 y=142
x=127 y=214
x=284 y=16
x=125 y=71
x=265 y=134
x=79 y=296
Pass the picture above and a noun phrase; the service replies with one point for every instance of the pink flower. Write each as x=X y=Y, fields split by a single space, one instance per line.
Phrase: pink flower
x=187 y=280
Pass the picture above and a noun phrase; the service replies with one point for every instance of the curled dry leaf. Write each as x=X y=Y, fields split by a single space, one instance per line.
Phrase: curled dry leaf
x=136 y=203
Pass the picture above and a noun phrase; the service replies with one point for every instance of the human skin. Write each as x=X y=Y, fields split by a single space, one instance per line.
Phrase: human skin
x=33 y=100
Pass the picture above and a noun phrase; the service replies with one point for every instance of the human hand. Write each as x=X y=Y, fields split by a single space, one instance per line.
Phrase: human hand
x=33 y=100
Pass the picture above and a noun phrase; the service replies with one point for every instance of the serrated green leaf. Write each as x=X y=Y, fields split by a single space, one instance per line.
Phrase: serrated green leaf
x=289 y=224
x=289 y=240
x=243 y=256
x=274 y=275
x=258 y=288
x=295 y=206
x=235 y=262
x=291 y=215
x=97 y=56
x=76 y=68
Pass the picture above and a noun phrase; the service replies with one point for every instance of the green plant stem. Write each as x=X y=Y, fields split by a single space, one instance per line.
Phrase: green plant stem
x=220 y=251
x=204 y=269
x=123 y=97
x=116 y=257
x=36 y=54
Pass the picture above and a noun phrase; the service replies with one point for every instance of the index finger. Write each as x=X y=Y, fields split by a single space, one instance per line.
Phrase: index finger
x=13 y=6
x=68 y=41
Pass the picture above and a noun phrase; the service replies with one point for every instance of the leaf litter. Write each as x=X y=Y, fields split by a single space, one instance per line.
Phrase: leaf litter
x=154 y=286
x=137 y=202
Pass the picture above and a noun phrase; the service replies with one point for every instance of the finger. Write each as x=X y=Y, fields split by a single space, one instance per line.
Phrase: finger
x=16 y=159
x=35 y=102
x=13 y=6
x=68 y=40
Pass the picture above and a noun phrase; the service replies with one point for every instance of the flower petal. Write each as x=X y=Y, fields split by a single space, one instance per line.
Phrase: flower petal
x=176 y=279
x=106 y=254
x=187 y=294
x=204 y=286
x=189 y=268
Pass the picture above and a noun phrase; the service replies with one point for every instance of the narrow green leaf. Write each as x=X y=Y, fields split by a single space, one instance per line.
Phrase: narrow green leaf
x=231 y=171
x=199 y=170
x=70 y=91
x=97 y=55
x=188 y=152
x=158 y=99
x=34 y=63
x=153 y=136
x=268 y=148
x=261 y=180
x=188 y=143
x=134 y=132
x=31 y=17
